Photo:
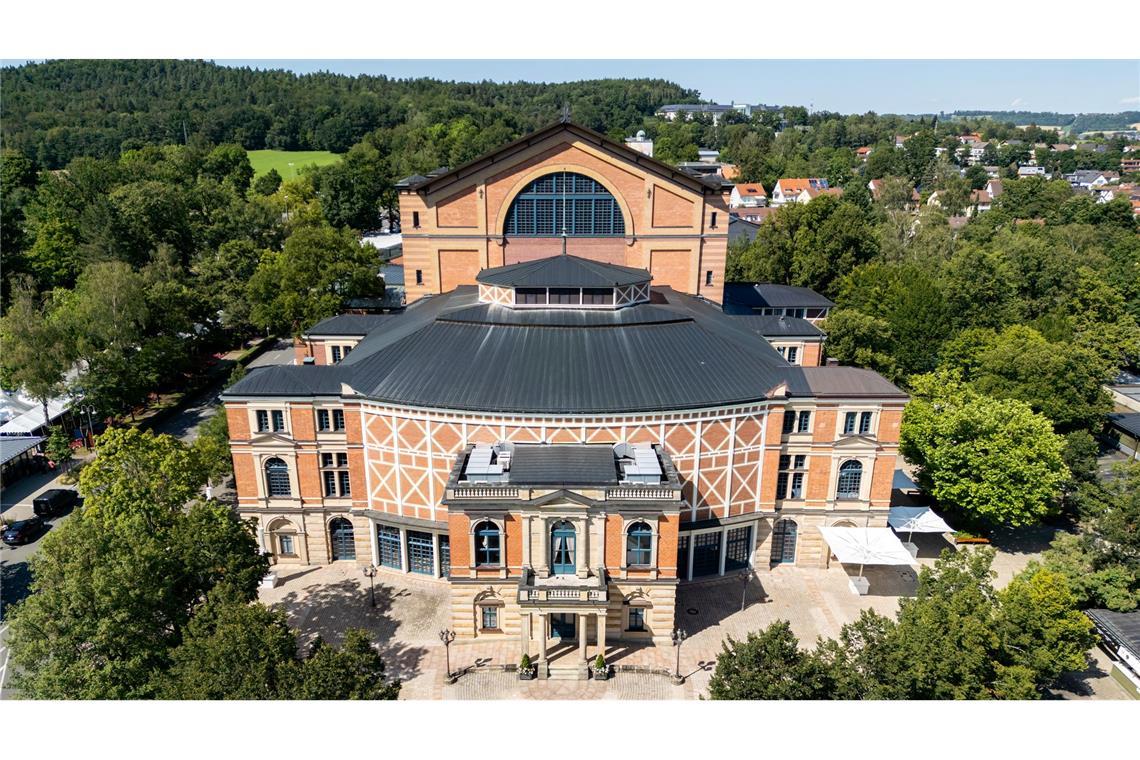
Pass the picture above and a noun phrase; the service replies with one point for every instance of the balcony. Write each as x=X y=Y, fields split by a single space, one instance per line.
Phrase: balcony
x=560 y=589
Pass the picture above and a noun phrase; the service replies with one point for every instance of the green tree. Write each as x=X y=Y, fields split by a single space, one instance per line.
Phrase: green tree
x=268 y=183
x=1102 y=561
x=58 y=447
x=229 y=164
x=995 y=461
x=310 y=279
x=769 y=664
x=231 y=649
x=858 y=339
x=34 y=356
x=212 y=447
x=354 y=671
x=114 y=587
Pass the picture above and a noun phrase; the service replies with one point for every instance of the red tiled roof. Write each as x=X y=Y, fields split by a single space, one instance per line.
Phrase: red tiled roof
x=752 y=188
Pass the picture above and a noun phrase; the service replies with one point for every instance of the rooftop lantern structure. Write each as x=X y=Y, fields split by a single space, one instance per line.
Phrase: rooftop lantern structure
x=564 y=282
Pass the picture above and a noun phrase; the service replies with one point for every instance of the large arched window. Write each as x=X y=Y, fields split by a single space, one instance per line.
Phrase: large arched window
x=850 y=478
x=487 y=543
x=564 y=203
x=277 y=478
x=341 y=539
x=639 y=545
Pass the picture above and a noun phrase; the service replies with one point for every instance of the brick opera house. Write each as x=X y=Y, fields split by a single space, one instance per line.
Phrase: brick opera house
x=565 y=423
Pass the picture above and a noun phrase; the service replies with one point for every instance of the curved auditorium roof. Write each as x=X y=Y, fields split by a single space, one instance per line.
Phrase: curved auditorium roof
x=452 y=352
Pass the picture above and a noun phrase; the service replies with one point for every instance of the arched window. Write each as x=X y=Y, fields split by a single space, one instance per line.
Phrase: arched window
x=277 y=478
x=784 y=542
x=850 y=478
x=639 y=545
x=563 y=548
x=487 y=543
x=341 y=539
x=564 y=203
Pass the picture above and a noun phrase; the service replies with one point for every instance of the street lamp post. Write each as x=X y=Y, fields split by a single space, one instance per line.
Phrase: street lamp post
x=370 y=573
x=447 y=636
x=679 y=636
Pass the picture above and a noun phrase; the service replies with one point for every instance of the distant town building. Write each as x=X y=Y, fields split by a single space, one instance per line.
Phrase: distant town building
x=640 y=143
x=790 y=190
x=749 y=195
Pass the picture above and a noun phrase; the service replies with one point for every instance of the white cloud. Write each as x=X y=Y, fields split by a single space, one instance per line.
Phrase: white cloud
x=1130 y=101
x=1017 y=102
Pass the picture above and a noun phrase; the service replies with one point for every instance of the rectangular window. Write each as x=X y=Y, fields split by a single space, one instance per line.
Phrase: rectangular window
x=419 y=277
x=338 y=419
x=278 y=420
x=709 y=274
x=793 y=354
x=790 y=479
x=738 y=548
x=335 y=354
x=815 y=313
x=565 y=295
x=444 y=556
x=637 y=618
x=490 y=618
x=334 y=475
x=323 y=423
x=421 y=555
x=286 y=545
x=805 y=422
x=530 y=296
x=712 y=224
x=345 y=350
x=789 y=421
x=849 y=423
x=416 y=219
x=782 y=485
x=597 y=296
x=388 y=545
x=683 y=557
x=262 y=421
x=783 y=351
x=865 y=423
x=797 y=491
x=797 y=313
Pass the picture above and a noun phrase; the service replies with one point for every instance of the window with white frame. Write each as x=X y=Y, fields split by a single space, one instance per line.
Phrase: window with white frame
x=330 y=420
x=803 y=424
x=793 y=354
x=857 y=421
x=636 y=619
x=850 y=479
x=790 y=478
x=339 y=352
x=865 y=423
x=334 y=475
x=277 y=478
x=487 y=544
x=639 y=545
x=789 y=421
x=270 y=420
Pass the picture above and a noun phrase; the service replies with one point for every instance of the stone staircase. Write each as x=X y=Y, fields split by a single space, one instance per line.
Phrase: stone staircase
x=568 y=673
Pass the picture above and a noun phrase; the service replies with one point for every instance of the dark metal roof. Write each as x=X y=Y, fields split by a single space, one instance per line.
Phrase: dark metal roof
x=346 y=325
x=563 y=465
x=12 y=446
x=563 y=272
x=1122 y=628
x=771 y=326
x=767 y=294
x=451 y=352
x=841 y=381
x=739 y=228
x=1129 y=422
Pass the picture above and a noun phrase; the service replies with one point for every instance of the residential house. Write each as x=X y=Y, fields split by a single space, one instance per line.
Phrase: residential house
x=748 y=195
x=864 y=152
x=754 y=214
x=809 y=194
x=640 y=143
x=789 y=190
x=1087 y=178
x=708 y=156
x=994 y=188
x=687 y=111
x=1129 y=165
x=976 y=151
x=774 y=300
x=1027 y=170
x=1092 y=147
x=1061 y=147
x=992 y=172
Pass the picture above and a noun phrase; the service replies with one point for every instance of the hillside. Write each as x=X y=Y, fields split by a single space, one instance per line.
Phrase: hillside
x=58 y=110
x=1069 y=122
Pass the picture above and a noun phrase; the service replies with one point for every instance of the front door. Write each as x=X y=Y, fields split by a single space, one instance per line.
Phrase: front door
x=341 y=538
x=562 y=625
x=562 y=549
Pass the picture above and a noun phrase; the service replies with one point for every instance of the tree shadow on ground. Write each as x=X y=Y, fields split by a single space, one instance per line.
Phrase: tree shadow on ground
x=930 y=545
x=15 y=581
x=1076 y=682
x=1032 y=539
x=886 y=580
x=705 y=604
x=328 y=610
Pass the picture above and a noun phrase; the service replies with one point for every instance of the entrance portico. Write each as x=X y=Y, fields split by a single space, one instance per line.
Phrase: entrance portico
x=546 y=628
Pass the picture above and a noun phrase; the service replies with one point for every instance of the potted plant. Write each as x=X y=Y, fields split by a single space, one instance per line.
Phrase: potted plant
x=601 y=670
x=526 y=670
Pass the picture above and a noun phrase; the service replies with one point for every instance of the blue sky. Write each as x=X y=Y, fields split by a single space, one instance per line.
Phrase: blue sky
x=850 y=86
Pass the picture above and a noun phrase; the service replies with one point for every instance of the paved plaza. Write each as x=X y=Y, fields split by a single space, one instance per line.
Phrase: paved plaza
x=410 y=612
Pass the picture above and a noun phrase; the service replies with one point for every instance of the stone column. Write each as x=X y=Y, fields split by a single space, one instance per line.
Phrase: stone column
x=582 y=551
x=526 y=541
x=543 y=664
x=524 y=634
x=601 y=634
x=435 y=554
x=404 y=549
x=583 y=631
x=723 y=548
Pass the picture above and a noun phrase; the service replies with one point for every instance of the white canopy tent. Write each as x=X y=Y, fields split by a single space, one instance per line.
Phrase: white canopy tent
x=916 y=520
x=866 y=546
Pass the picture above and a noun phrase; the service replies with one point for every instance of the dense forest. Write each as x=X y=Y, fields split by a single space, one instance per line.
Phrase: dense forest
x=1073 y=123
x=60 y=110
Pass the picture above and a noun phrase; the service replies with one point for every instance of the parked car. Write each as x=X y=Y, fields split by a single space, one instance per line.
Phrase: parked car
x=23 y=531
x=54 y=502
